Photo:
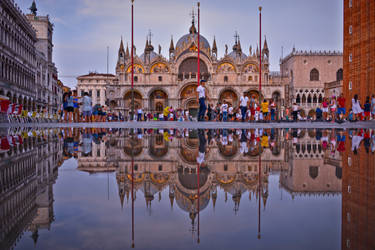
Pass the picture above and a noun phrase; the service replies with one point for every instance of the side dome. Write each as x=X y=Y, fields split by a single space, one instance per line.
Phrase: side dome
x=153 y=55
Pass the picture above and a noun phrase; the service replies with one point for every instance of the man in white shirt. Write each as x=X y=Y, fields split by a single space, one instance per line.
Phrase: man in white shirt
x=202 y=100
x=224 y=110
x=244 y=100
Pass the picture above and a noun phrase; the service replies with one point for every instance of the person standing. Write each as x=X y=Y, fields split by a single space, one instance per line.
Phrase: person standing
x=76 y=117
x=139 y=114
x=264 y=106
x=209 y=112
x=166 y=113
x=373 y=107
x=367 y=109
x=356 y=107
x=224 y=110
x=86 y=107
x=244 y=100
x=341 y=107
x=202 y=100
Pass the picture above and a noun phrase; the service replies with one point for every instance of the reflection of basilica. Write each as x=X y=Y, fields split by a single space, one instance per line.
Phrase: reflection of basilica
x=162 y=161
x=28 y=171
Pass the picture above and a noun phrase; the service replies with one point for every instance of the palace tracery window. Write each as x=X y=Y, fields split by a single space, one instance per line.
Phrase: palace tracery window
x=314 y=75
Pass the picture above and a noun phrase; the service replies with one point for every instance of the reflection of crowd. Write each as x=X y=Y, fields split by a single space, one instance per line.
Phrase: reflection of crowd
x=80 y=140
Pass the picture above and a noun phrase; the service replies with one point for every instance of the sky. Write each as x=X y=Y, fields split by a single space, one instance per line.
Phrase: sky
x=84 y=28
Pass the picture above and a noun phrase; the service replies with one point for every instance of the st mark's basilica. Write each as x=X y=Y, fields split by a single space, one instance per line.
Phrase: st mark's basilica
x=159 y=81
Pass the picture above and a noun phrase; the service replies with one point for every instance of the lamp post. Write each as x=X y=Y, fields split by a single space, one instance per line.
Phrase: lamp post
x=132 y=61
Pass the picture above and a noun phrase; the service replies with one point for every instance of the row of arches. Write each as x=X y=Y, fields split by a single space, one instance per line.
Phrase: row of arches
x=159 y=98
x=309 y=98
x=26 y=102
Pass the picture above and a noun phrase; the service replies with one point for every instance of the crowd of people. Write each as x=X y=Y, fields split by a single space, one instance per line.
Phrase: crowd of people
x=250 y=109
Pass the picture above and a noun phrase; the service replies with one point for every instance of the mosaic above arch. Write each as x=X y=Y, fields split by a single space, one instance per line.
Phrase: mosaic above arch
x=226 y=68
x=159 y=68
x=137 y=69
x=250 y=68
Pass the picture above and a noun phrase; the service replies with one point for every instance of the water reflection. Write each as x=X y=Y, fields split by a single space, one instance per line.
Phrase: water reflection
x=192 y=170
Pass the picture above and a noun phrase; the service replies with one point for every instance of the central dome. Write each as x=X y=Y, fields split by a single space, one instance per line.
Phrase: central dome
x=187 y=39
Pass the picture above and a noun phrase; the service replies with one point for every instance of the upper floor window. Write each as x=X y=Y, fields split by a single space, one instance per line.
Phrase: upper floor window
x=160 y=78
x=350 y=29
x=314 y=75
x=350 y=3
x=350 y=57
x=98 y=93
x=225 y=78
x=339 y=75
x=250 y=78
x=135 y=78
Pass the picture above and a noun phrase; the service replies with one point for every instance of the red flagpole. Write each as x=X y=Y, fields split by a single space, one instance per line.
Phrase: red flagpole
x=132 y=59
x=199 y=48
x=260 y=53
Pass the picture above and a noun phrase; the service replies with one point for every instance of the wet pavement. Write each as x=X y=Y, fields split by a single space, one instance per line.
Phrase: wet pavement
x=112 y=188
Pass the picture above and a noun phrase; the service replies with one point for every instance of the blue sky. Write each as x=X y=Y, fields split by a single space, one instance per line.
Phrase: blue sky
x=84 y=28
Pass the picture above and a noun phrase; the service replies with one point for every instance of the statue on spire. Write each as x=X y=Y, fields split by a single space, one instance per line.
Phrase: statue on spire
x=33 y=8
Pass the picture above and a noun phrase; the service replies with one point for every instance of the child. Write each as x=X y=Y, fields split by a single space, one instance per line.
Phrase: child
x=319 y=114
x=351 y=116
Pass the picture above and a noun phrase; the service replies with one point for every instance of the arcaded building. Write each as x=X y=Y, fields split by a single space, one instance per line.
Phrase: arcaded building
x=160 y=81
x=306 y=73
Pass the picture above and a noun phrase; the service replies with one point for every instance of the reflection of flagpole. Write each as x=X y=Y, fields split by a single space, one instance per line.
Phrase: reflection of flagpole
x=132 y=55
x=132 y=165
x=198 y=203
x=199 y=49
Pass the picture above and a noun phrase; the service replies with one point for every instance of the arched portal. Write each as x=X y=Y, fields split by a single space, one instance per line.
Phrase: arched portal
x=137 y=100
x=188 y=99
x=230 y=96
x=158 y=100
x=254 y=93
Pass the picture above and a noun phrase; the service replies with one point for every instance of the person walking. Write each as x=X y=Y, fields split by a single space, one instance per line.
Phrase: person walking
x=69 y=107
x=139 y=114
x=244 y=100
x=202 y=100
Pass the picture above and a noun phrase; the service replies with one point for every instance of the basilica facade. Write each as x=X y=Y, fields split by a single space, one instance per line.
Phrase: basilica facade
x=160 y=81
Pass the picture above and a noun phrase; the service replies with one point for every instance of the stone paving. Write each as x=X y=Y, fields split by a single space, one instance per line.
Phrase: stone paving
x=195 y=125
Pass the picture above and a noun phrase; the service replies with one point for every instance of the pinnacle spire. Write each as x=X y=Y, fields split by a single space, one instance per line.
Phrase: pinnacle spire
x=33 y=8
x=171 y=46
x=265 y=46
x=127 y=54
x=121 y=46
x=214 y=47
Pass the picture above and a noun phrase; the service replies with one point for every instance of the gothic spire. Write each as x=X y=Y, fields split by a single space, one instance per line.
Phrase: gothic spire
x=121 y=46
x=214 y=47
x=171 y=46
x=265 y=46
x=192 y=29
x=33 y=8
x=127 y=54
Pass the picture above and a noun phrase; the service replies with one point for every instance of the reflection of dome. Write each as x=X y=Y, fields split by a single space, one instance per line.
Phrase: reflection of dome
x=187 y=39
x=190 y=180
x=188 y=204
